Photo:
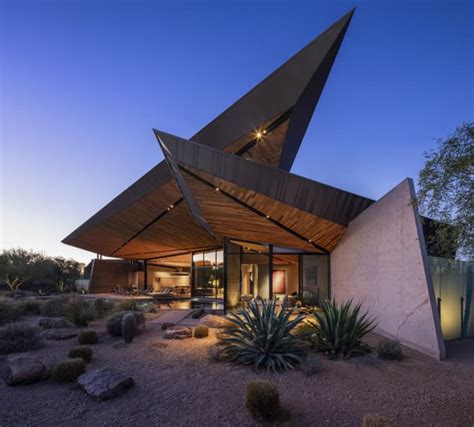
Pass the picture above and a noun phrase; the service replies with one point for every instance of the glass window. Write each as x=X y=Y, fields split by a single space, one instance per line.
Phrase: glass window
x=315 y=271
x=207 y=274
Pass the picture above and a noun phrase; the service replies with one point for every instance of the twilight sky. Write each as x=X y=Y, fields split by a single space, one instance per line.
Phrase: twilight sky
x=84 y=82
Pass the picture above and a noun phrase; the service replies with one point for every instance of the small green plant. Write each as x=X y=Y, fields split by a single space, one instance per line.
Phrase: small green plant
x=82 y=351
x=114 y=322
x=262 y=336
x=129 y=327
x=8 y=312
x=376 y=420
x=87 y=337
x=340 y=329
x=201 y=331
x=389 y=349
x=68 y=370
x=263 y=399
x=17 y=337
x=79 y=311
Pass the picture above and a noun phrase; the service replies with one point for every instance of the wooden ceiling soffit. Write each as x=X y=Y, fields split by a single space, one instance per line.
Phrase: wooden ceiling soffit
x=326 y=202
x=293 y=89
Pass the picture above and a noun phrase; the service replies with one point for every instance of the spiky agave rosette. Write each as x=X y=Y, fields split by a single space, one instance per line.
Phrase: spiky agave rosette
x=261 y=336
x=340 y=329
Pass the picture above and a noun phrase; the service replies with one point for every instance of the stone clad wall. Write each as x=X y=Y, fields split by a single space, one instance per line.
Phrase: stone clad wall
x=381 y=261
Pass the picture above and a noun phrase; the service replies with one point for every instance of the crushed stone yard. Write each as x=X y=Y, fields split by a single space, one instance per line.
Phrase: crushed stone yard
x=177 y=383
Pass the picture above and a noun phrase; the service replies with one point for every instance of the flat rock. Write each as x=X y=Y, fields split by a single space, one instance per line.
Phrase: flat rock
x=178 y=334
x=24 y=369
x=105 y=383
x=59 y=334
x=55 y=323
x=214 y=321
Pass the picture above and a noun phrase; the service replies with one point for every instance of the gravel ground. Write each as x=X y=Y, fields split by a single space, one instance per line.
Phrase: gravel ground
x=177 y=384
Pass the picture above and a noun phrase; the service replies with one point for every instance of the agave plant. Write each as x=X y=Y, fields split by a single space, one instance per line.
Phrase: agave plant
x=339 y=329
x=261 y=336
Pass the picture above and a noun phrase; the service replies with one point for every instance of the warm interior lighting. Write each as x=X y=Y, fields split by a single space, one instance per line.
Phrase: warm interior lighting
x=266 y=216
x=217 y=189
x=310 y=241
x=259 y=134
x=264 y=132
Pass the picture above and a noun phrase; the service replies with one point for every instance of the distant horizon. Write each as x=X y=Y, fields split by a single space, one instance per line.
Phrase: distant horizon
x=84 y=84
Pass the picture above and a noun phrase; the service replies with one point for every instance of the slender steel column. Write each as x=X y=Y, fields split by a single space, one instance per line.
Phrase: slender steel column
x=270 y=270
x=145 y=278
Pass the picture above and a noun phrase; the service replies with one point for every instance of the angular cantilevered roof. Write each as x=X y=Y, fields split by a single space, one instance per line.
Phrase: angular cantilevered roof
x=150 y=217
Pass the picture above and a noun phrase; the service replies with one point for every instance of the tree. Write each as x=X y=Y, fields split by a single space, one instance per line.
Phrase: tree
x=35 y=270
x=446 y=192
x=65 y=272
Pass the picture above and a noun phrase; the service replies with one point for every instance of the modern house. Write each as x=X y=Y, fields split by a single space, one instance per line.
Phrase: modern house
x=222 y=219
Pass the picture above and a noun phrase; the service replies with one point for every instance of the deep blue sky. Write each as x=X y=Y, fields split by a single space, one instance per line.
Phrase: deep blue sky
x=83 y=84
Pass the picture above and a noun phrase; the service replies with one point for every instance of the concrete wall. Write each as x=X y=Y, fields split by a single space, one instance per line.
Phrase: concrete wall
x=381 y=262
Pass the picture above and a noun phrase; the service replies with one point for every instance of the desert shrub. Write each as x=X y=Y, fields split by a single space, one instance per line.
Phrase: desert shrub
x=17 y=337
x=201 y=331
x=114 y=322
x=68 y=370
x=263 y=338
x=29 y=306
x=340 y=329
x=82 y=351
x=102 y=307
x=55 y=307
x=263 y=399
x=8 y=312
x=389 y=349
x=127 y=305
x=79 y=311
x=87 y=337
x=376 y=420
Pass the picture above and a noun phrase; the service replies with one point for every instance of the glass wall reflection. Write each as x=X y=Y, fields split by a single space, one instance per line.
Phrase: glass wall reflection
x=453 y=283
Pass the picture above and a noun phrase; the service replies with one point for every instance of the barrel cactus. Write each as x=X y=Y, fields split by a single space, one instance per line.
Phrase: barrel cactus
x=129 y=327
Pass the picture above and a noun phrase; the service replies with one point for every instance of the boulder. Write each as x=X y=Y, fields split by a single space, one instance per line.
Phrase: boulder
x=55 y=323
x=24 y=369
x=214 y=321
x=167 y=325
x=105 y=383
x=59 y=334
x=178 y=334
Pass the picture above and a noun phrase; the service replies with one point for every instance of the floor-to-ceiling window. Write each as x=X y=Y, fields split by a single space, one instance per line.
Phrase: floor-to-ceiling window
x=314 y=278
x=207 y=274
x=259 y=270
